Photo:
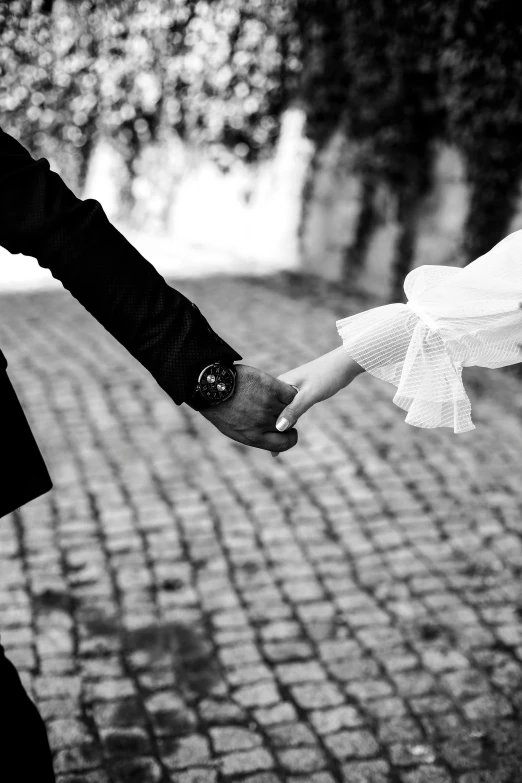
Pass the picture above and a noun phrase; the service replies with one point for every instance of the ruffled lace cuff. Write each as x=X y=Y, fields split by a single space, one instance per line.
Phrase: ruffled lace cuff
x=393 y=344
x=454 y=318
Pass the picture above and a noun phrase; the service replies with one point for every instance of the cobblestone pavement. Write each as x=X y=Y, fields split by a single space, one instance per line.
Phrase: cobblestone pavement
x=183 y=609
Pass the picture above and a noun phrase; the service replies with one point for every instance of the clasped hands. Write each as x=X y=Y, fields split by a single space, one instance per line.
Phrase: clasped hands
x=264 y=410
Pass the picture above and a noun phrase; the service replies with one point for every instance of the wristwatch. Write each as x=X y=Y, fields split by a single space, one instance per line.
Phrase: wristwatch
x=216 y=384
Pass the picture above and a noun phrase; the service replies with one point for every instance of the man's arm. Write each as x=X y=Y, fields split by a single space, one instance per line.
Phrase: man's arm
x=41 y=217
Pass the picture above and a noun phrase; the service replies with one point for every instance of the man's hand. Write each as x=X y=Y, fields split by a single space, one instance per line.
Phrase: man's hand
x=249 y=416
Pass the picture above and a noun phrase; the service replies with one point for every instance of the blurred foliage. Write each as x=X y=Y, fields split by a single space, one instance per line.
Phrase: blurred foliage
x=370 y=69
x=323 y=88
x=481 y=74
x=394 y=76
x=322 y=85
x=394 y=107
x=218 y=73
x=398 y=77
x=395 y=112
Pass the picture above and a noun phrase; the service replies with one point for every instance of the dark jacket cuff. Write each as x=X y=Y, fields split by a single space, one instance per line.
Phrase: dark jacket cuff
x=201 y=347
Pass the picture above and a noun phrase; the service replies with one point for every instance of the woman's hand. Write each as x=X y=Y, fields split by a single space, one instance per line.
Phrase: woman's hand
x=316 y=381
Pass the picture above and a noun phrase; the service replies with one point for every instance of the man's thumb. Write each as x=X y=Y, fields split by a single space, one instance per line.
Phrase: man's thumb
x=292 y=412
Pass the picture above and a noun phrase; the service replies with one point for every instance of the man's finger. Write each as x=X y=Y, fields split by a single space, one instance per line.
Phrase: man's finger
x=277 y=442
x=285 y=392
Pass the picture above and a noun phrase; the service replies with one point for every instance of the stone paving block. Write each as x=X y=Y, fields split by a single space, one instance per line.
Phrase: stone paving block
x=430 y=705
x=386 y=707
x=138 y=770
x=201 y=775
x=127 y=712
x=305 y=759
x=317 y=695
x=302 y=591
x=94 y=776
x=442 y=726
x=169 y=713
x=280 y=713
x=425 y=774
x=283 y=651
x=241 y=762
x=213 y=711
x=125 y=741
x=442 y=660
x=244 y=675
x=229 y=738
x=401 y=661
x=465 y=683
x=59 y=709
x=280 y=631
x=290 y=734
x=367 y=689
x=399 y=729
x=357 y=744
x=366 y=772
x=264 y=613
x=414 y=683
x=240 y=654
x=53 y=687
x=462 y=752
x=187 y=751
x=263 y=694
x=507 y=676
x=339 y=649
x=66 y=732
x=291 y=673
x=487 y=776
x=488 y=706
x=233 y=636
x=111 y=689
x=333 y=719
x=407 y=754
x=77 y=758
x=347 y=671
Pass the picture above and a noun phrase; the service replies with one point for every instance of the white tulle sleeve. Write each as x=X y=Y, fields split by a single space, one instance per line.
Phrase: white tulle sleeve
x=454 y=318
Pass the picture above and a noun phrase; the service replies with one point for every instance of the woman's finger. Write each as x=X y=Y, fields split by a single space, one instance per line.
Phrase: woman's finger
x=302 y=401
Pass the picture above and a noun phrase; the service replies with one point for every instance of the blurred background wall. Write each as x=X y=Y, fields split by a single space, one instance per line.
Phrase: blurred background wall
x=352 y=139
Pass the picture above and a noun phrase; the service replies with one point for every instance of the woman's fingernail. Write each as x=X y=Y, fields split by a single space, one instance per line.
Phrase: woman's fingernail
x=282 y=425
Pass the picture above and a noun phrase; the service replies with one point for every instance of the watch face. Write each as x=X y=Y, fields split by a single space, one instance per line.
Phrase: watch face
x=216 y=383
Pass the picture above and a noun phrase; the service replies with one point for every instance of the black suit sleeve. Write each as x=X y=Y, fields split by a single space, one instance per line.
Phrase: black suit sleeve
x=41 y=217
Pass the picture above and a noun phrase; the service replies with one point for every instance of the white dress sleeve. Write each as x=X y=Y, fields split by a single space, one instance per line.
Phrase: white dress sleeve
x=454 y=318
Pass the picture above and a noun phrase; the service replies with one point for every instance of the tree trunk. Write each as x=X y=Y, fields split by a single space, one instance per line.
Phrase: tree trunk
x=355 y=254
x=404 y=244
x=85 y=159
x=491 y=207
x=307 y=195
